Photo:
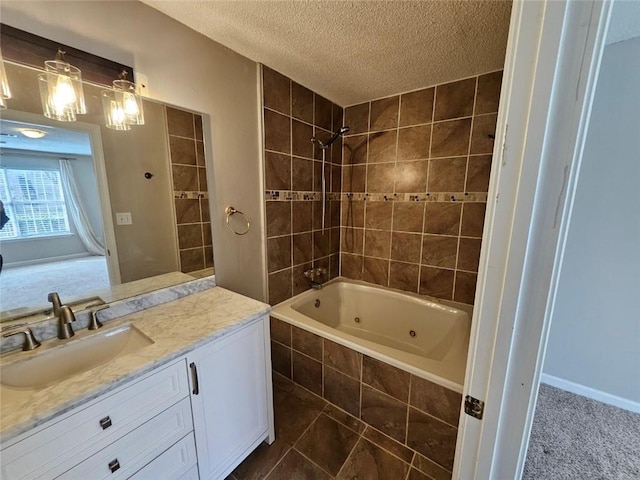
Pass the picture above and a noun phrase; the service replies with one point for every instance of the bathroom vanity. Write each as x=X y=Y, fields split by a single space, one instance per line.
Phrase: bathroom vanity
x=190 y=403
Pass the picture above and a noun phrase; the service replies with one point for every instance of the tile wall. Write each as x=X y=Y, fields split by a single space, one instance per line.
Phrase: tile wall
x=191 y=197
x=413 y=412
x=415 y=175
x=293 y=115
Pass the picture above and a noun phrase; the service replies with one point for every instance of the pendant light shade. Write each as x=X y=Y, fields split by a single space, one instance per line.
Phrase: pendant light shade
x=61 y=90
x=113 y=112
x=5 y=92
x=130 y=101
x=122 y=105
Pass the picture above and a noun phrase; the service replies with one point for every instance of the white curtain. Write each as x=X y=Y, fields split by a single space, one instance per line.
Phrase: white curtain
x=77 y=210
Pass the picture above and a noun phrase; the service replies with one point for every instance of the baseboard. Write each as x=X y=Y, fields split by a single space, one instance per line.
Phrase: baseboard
x=591 y=393
x=39 y=261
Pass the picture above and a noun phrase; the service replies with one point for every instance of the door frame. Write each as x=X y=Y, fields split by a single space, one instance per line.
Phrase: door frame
x=551 y=67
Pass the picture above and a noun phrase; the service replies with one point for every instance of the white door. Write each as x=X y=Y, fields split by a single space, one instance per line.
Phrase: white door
x=553 y=56
x=229 y=399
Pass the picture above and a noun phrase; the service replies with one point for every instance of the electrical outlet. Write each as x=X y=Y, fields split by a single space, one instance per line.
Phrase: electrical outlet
x=123 y=218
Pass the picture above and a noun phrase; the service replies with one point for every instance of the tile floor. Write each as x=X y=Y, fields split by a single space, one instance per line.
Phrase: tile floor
x=317 y=441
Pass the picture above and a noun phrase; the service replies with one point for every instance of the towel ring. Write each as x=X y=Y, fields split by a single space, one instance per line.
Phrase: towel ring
x=230 y=211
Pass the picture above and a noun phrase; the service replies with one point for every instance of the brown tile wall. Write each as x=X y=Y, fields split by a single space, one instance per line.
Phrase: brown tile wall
x=415 y=175
x=293 y=171
x=189 y=176
x=406 y=411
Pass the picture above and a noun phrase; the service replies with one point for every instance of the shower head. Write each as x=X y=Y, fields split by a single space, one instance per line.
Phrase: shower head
x=333 y=138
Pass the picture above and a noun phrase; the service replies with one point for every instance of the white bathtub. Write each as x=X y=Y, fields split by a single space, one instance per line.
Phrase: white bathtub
x=426 y=338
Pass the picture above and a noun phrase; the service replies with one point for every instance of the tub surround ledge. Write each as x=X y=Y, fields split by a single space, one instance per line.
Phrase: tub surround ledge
x=176 y=328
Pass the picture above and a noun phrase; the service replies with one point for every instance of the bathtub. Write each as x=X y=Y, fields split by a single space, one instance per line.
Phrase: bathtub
x=421 y=336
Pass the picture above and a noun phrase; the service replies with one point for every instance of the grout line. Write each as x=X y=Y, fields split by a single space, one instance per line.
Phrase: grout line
x=314 y=463
x=406 y=431
x=427 y=87
x=277 y=463
x=384 y=449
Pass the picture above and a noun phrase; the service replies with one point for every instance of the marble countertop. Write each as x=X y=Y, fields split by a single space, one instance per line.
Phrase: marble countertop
x=176 y=328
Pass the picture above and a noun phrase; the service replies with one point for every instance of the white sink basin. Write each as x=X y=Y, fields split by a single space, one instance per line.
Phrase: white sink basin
x=75 y=356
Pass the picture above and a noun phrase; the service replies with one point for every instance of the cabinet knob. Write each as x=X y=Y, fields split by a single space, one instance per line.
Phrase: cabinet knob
x=105 y=423
x=114 y=465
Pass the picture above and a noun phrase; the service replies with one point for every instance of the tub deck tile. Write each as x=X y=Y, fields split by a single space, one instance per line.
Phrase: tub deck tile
x=385 y=413
x=386 y=378
x=342 y=391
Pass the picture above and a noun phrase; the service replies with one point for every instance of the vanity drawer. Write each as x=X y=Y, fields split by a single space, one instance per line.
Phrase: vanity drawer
x=54 y=449
x=173 y=464
x=132 y=452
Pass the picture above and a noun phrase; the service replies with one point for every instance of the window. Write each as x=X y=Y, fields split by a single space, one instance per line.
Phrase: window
x=34 y=202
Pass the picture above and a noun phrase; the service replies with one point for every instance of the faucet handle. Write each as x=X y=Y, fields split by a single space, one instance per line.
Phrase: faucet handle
x=94 y=323
x=30 y=342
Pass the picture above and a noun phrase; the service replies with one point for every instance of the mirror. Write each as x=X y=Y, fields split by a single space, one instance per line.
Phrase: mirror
x=95 y=212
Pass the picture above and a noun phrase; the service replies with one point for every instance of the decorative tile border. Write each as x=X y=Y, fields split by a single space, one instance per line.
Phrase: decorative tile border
x=461 y=197
x=190 y=195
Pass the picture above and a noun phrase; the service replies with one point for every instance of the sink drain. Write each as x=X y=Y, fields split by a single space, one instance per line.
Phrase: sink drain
x=412 y=333
x=317 y=303
x=357 y=319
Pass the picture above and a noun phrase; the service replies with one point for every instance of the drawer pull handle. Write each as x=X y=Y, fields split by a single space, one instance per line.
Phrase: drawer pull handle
x=194 y=376
x=105 y=423
x=114 y=465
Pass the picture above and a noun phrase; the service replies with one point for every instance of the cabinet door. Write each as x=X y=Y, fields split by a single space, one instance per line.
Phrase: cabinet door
x=229 y=399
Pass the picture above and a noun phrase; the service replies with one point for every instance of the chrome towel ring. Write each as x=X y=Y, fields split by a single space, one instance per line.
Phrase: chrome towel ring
x=231 y=211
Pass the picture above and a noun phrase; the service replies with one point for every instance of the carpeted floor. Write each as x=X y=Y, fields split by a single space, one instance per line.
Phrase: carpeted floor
x=30 y=285
x=574 y=437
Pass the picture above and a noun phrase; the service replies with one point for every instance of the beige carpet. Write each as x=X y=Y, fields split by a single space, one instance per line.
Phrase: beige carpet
x=576 y=438
x=29 y=285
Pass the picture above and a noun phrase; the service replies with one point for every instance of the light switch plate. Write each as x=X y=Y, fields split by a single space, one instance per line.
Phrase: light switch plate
x=123 y=218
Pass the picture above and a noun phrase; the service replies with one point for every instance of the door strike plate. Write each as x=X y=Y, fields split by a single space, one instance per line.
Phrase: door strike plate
x=473 y=407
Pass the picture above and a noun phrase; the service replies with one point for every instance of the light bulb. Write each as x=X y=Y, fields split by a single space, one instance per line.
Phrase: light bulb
x=64 y=91
x=130 y=105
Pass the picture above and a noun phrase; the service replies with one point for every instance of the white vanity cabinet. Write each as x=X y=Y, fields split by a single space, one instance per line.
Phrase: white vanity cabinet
x=231 y=398
x=204 y=412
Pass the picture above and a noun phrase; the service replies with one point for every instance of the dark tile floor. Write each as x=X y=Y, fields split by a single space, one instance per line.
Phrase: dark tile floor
x=317 y=441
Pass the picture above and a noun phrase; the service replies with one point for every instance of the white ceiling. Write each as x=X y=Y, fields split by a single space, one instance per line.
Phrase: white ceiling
x=56 y=140
x=353 y=51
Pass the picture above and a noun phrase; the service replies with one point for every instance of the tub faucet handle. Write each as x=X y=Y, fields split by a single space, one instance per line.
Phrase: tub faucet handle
x=315 y=276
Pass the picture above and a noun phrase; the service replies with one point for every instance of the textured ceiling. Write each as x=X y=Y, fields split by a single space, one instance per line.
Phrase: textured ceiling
x=353 y=51
x=625 y=21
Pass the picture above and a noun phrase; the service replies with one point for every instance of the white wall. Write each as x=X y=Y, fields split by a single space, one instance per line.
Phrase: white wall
x=185 y=69
x=595 y=332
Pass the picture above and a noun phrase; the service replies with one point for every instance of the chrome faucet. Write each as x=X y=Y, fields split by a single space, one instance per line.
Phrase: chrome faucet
x=30 y=342
x=65 y=317
x=314 y=275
